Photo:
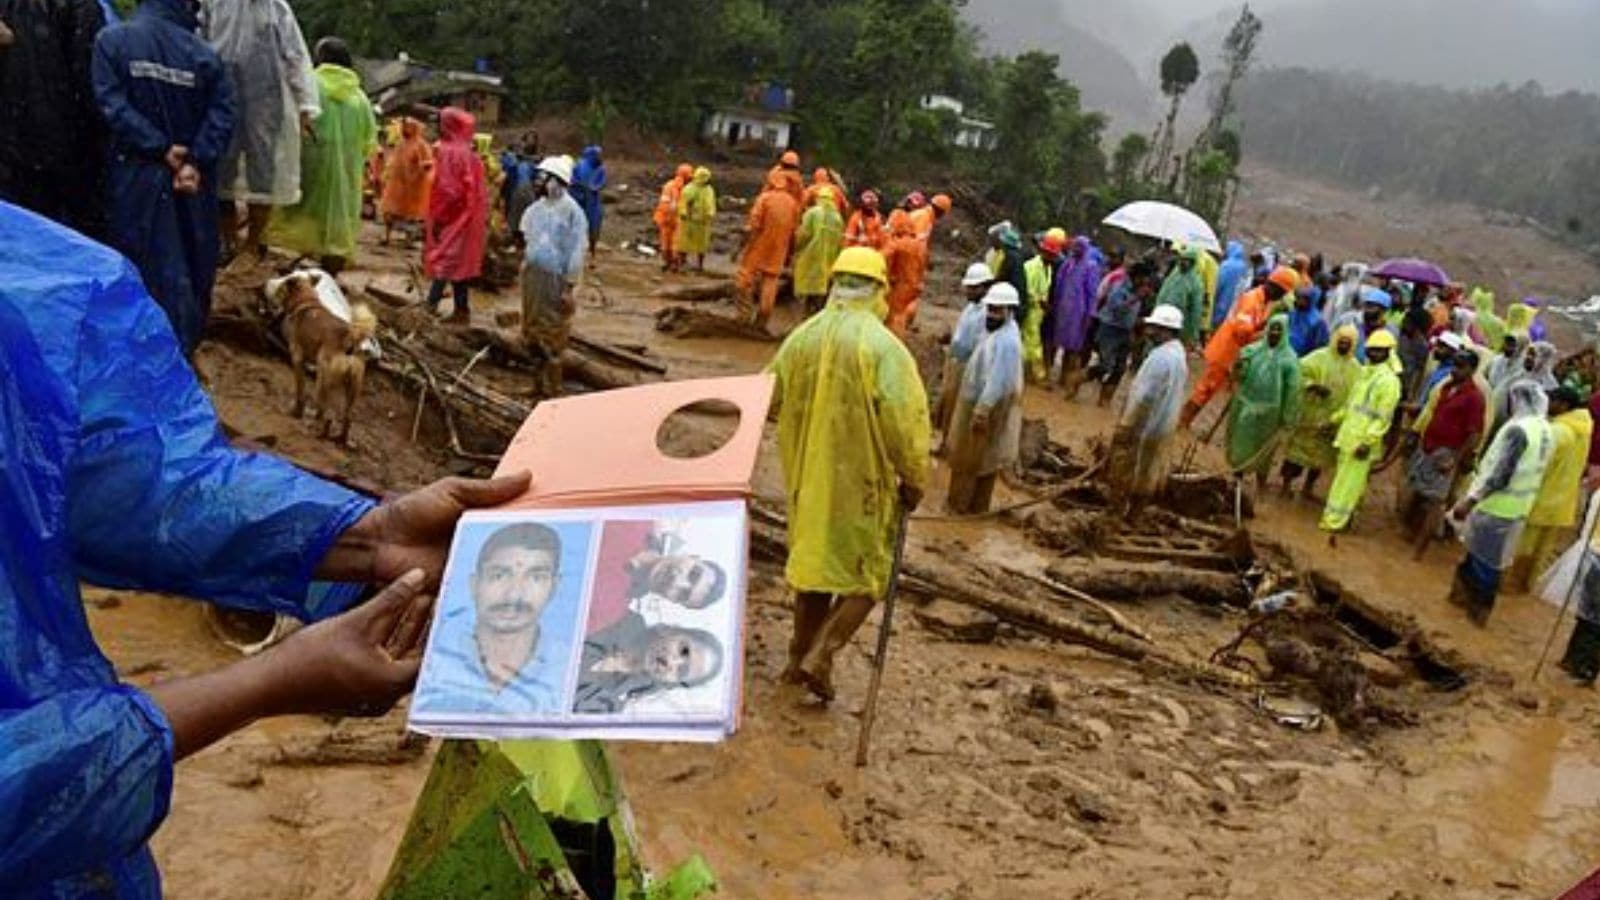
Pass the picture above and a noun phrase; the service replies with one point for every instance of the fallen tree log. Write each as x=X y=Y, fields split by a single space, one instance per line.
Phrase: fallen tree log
x=1133 y=583
x=618 y=355
x=697 y=293
x=686 y=323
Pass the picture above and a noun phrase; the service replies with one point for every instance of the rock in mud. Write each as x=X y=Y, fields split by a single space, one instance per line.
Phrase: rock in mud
x=961 y=624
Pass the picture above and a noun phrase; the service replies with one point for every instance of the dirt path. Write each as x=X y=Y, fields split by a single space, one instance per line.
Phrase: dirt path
x=1014 y=767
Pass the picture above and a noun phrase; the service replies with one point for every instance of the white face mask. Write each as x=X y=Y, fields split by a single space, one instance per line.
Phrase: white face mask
x=849 y=292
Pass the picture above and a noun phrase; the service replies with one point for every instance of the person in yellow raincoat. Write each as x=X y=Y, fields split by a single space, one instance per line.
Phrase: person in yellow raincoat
x=1363 y=423
x=853 y=434
x=494 y=175
x=1040 y=270
x=816 y=245
x=1209 y=270
x=1555 y=509
x=1327 y=376
x=697 y=209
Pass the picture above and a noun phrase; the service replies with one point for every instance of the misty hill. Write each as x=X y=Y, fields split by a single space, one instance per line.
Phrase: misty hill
x=1106 y=79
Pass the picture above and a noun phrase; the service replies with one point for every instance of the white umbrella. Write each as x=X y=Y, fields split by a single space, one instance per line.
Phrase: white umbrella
x=1165 y=221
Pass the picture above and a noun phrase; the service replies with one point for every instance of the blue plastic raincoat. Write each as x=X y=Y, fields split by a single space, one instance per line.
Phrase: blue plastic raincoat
x=588 y=177
x=1233 y=277
x=115 y=473
x=158 y=84
x=991 y=384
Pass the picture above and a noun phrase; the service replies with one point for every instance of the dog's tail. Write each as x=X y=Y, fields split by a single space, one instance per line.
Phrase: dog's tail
x=363 y=325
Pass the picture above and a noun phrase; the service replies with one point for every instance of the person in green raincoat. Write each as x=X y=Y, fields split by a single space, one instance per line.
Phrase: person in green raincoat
x=327 y=219
x=817 y=244
x=1184 y=291
x=697 y=209
x=1327 y=376
x=1488 y=322
x=853 y=434
x=1265 y=401
x=1363 y=423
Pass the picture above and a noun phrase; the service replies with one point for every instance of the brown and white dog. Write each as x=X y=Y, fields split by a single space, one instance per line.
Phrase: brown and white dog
x=317 y=335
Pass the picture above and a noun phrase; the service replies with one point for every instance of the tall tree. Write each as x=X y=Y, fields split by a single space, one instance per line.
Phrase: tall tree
x=1180 y=69
x=1238 y=50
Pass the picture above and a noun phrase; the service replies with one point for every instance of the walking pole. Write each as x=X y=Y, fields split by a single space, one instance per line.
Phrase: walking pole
x=1583 y=563
x=871 y=710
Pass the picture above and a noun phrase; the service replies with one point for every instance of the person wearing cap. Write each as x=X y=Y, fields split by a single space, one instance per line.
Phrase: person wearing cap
x=1327 y=376
x=866 y=226
x=1241 y=327
x=666 y=216
x=1363 y=423
x=816 y=245
x=963 y=340
x=1184 y=291
x=1114 y=324
x=1375 y=306
x=986 y=428
x=853 y=435
x=769 y=236
x=697 y=210
x=1496 y=506
x=1445 y=437
x=458 y=214
x=555 y=234
x=1141 y=445
x=1039 y=271
x=1554 y=516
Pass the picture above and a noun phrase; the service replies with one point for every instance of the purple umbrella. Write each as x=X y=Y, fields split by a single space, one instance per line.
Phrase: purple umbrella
x=1416 y=271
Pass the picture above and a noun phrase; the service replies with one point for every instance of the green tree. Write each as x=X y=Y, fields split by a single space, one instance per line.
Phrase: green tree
x=1238 y=50
x=1180 y=69
x=1126 y=161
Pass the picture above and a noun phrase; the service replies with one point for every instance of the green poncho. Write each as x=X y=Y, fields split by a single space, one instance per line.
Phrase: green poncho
x=328 y=217
x=816 y=244
x=1185 y=291
x=1266 y=400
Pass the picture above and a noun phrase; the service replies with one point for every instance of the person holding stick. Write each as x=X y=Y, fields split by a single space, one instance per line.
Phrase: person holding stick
x=841 y=377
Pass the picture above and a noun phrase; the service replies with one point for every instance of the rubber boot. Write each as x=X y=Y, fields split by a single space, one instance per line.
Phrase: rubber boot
x=816 y=670
x=810 y=611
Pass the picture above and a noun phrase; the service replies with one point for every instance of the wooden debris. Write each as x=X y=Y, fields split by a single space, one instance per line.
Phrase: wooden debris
x=697 y=293
x=683 y=322
x=615 y=354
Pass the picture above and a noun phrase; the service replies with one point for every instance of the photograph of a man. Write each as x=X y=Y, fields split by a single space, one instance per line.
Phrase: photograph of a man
x=630 y=660
x=647 y=568
x=506 y=651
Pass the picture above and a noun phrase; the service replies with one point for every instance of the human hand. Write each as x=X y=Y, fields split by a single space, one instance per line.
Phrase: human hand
x=176 y=156
x=910 y=497
x=414 y=531
x=356 y=664
x=187 y=181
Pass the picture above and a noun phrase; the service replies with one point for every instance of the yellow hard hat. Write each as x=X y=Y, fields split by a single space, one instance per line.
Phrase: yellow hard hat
x=863 y=261
x=1382 y=339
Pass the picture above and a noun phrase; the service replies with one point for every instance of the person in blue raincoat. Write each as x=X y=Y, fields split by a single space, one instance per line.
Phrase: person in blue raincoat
x=1233 y=279
x=117 y=474
x=588 y=178
x=169 y=113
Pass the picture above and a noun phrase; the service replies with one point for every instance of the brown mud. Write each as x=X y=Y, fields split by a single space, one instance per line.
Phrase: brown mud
x=1005 y=763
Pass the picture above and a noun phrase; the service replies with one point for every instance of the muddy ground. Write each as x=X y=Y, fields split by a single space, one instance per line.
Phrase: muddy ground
x=1005 y=764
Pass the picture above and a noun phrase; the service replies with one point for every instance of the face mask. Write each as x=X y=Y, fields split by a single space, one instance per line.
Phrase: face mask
x=850 y=292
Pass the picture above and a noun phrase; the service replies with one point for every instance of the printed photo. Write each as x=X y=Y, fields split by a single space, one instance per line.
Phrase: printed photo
x=504 y=637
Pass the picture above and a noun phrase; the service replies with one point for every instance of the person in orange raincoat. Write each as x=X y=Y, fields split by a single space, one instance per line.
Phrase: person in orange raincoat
x=907 y=257
x=666 y=217
x=1243 y=325
x=865 y=227
x=458 y=213
x=407 y=178
x=788 y=170
x=769 y=236
x=820 y=179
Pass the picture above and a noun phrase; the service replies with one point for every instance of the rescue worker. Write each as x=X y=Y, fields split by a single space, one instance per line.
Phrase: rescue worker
x=866 y=226
x=1206 y=265
x=1555 y=509
x=327 y=220
x=458 y=215
x=842 y=376
x=787 y=170
x=1039 y=271
x=963 y=341
x=986 y=427
x=822 y=179
x=904 y=260
x=666 y=217
x=1327 y=376
x=1266 y=402
x=276 y=103
x=1072 y=298
x=816 y=245
x=769 y=234
x=407 y=178
x=697 y=210
x=169 y=112
x=1497 y=504
x=1249 y=316
x=117 y=473
x=1141 y=445
x=52 y=139
x=555 y=235
x=1363 y=423
x=588 y=179
x=1184 y=291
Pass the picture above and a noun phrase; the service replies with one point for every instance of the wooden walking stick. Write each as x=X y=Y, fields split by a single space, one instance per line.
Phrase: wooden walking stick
x=871 y=710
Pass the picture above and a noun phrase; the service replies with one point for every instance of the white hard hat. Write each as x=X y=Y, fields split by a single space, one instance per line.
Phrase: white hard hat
x=559 y=166
x=977 y=273
x=1002 y=294
x=1166 y=317
x=1452 y=340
